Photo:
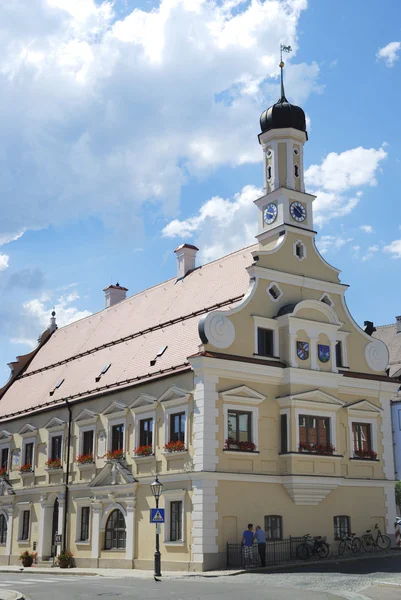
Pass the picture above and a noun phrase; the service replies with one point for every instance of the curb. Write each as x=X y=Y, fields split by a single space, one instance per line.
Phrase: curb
x=389 y=584
x=51 y=572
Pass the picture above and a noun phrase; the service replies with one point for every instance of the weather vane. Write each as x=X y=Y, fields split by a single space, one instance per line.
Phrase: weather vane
x=281 y=65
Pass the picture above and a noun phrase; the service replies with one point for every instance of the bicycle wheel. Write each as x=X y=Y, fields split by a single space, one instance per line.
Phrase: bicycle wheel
x=303 y=552
x=356 y=545
x=383 y=542
x=323 y=550
x=367 y=543
x=341 y=547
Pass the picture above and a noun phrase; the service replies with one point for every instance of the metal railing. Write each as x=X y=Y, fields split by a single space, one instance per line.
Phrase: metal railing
x=279 y=551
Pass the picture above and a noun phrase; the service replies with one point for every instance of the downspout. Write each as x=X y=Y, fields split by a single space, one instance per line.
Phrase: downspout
x=67 y=477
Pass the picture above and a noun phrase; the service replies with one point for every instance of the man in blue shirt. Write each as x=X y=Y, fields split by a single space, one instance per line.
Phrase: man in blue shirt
x=261 y=539
x=247 y=542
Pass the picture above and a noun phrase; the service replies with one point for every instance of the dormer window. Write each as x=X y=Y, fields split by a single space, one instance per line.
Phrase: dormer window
x=158 y=355
x=58 y=384
x=103 y=371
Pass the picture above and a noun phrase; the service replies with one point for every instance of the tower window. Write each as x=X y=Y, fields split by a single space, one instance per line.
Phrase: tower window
x=274 y=292
x=296 y=170
x=326 y=299
x=265 y=342
x=299 y=250
x=268 y=153
x=269 y=172
x=339 y=354
x=296 y=151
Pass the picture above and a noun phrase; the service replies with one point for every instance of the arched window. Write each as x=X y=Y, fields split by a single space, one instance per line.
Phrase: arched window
x=3 y=529
x=115 y=531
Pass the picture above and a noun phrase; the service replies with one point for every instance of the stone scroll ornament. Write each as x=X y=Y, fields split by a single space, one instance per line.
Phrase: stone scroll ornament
x=216 y=329
x=376 y=355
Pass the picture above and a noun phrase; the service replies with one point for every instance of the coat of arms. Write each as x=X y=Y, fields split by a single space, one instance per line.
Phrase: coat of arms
x=303 y=350
x=323 y=353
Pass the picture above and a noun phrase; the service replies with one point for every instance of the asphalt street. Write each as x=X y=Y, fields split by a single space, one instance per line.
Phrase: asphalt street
x=326 y=581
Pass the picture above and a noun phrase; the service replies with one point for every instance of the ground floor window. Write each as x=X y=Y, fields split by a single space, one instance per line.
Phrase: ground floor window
x=3 y=529
x=26 y=516
x=115 y=537
x=85 y=513
x=274 y=527
x=342 y=526
x=176 y=521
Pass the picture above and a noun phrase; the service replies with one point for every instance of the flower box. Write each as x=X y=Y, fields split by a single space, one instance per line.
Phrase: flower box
x=3 y=472
x=84 y=459
x=175 y=447
x=236 y=446
x=115 y=454
x=144 y=451
x=25 y=469
x=53 y=464
x=365 y=454
x=321 y=449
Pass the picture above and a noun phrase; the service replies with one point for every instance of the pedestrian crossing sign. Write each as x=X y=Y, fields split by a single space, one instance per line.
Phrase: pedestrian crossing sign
x=157 y=515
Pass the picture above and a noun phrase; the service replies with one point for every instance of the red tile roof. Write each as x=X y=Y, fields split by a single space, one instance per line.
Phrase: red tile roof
x=129 y=335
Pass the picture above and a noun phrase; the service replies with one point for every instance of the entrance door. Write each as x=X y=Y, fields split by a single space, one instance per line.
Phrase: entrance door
x=54 y=527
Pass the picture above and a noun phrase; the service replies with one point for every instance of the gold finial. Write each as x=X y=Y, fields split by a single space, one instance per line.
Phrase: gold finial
x=281 y=65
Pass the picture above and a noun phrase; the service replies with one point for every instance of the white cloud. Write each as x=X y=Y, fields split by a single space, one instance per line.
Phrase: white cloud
x=333 y=180
x=389 y=53
x=121 y=110
x=394 y=248
x=4 y=258
x=332 y=243
x=374 y=248
x=41 y=308
x=367 y=228
x=222 y=225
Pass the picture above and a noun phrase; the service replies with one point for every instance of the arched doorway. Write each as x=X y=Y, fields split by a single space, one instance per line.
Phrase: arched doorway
x=54 y=527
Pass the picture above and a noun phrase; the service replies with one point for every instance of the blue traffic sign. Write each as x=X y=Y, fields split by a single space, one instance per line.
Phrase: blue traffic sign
x=157 y=515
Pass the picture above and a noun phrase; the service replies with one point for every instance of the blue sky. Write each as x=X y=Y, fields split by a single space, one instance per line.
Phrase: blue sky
x=130 y=127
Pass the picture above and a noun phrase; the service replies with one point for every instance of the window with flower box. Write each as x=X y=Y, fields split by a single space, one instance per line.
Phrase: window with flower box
x=362 y=441
x=117 y=437
x=177 y=427
x=146 y=432
x=4 y=458
x=28 y=454
x=87 y=442
x=239 y=425
x=314 y=434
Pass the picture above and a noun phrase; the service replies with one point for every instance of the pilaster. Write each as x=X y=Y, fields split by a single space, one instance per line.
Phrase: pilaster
x=205 y=414
x=96 y=515
x=204 y=519
x=10 y=523
x=130 y=524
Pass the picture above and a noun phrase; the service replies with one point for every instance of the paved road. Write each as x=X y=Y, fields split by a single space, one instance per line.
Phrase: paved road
x=42 y=587
x=326 y=581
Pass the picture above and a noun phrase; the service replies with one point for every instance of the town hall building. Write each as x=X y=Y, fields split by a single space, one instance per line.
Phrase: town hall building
x=244 y=383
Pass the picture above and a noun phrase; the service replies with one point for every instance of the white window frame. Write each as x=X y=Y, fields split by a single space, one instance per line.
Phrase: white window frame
x=25 y=441
x=265 y=323
x=5 y=515
x=137 y=430
x=169 y=497
x=254 y=420
x=22 y=507
x=82 y=430
x=318 y=412
x=172 y=410
x=373 y=432
x=116 y=421
x=83 y=503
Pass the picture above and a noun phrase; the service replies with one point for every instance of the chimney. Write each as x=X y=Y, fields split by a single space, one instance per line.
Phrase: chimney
x=114 y=294
x=398 y=319
x=186 y=255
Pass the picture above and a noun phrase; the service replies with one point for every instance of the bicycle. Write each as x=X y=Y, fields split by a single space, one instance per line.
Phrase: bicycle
x=351 y=540
x=382 y=541
x=312 y=546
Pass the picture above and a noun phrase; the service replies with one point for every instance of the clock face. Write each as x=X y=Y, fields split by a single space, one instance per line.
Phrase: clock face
x=298 y=211
x=270 y=213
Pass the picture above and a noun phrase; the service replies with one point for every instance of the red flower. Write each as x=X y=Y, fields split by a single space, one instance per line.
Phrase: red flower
x=177 y=446
x=231 y=444
x=83 y=459
x=53 y=464
x=25 y=469
x=114 y=454
x=143 y=451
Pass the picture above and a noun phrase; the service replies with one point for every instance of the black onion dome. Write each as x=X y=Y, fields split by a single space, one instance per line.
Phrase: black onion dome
x=281 y=115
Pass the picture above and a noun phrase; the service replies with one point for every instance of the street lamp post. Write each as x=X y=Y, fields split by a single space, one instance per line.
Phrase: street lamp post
x=156 y=488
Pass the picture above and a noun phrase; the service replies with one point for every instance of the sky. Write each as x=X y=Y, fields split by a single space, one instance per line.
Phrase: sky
x=130 y=127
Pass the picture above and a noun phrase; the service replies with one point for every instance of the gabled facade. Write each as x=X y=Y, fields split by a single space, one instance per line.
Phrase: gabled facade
x=245 y=384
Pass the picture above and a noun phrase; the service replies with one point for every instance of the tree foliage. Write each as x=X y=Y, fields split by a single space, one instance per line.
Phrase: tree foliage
x=398 y=493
